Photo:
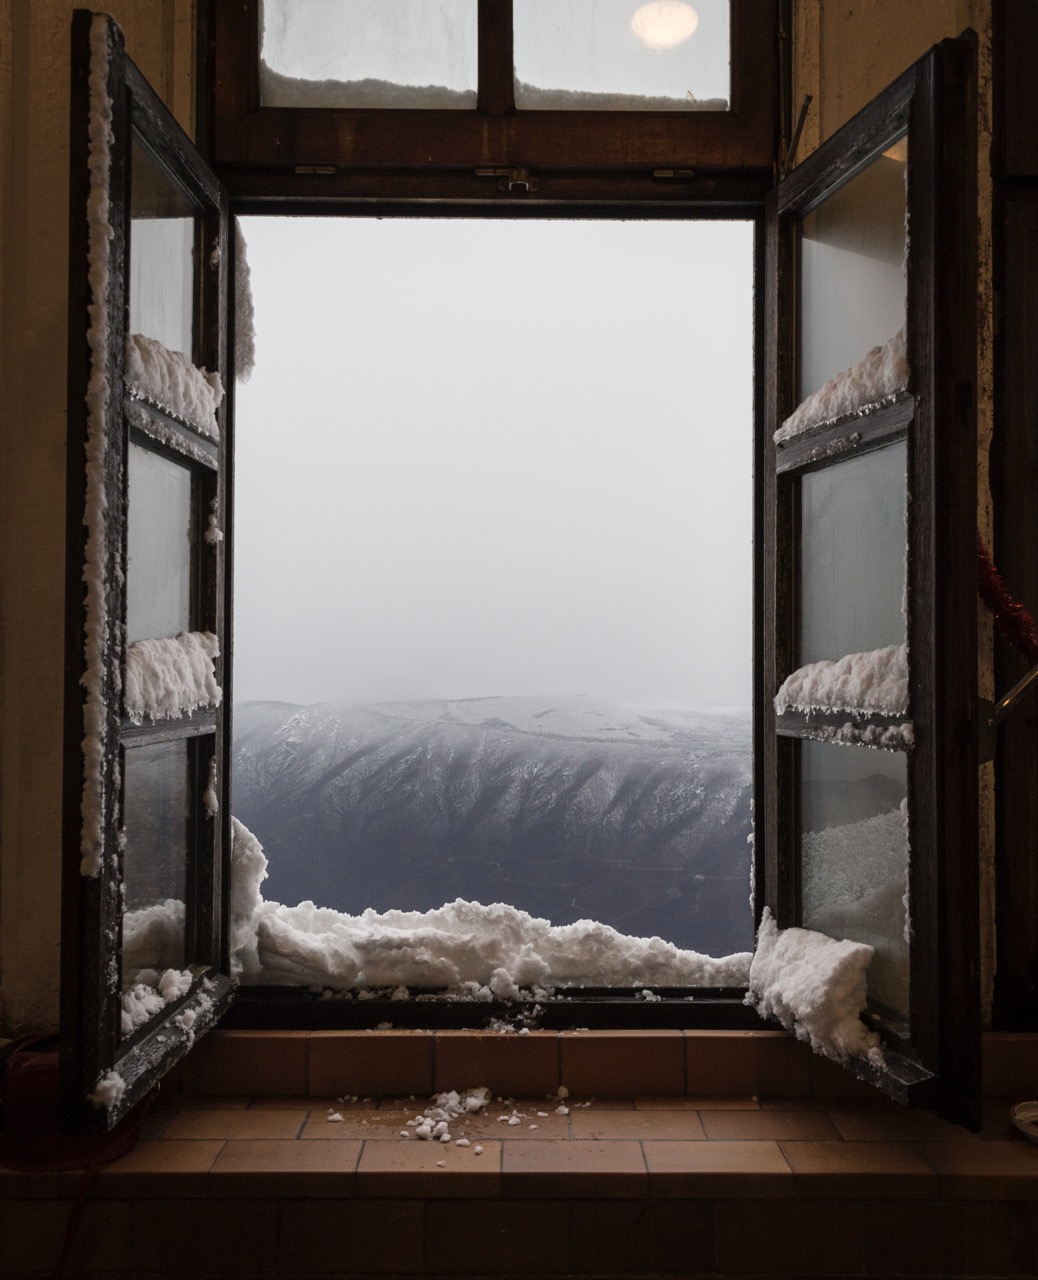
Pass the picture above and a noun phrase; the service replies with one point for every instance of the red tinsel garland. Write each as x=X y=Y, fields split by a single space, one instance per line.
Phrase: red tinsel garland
x=1012 y=621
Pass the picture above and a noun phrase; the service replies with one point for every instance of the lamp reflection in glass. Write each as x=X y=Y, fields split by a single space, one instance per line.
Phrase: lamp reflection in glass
x=664 y=24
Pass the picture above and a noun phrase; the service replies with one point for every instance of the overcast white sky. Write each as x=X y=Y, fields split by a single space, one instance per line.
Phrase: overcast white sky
x=496 y=457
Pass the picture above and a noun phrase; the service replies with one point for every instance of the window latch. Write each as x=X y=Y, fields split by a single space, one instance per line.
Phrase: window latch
x=517 y=182
x=991 y=714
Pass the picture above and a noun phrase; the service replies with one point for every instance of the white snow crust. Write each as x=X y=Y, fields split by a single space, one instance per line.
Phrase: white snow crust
x=169 y=379
x=152 y=935
x=244 y=312
x=172 y=676
x=531 y=97
x=476 y=951
x=816 y=987
x=277 y=90
x=876 y=680
x=150 y=994
x=99 y=233
x=108 y=1091
x=881 y=374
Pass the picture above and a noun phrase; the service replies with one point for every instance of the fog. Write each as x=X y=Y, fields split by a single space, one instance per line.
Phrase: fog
x=496 y=457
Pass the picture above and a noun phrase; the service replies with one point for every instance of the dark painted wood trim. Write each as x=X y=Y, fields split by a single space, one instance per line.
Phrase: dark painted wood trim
x=857 y=433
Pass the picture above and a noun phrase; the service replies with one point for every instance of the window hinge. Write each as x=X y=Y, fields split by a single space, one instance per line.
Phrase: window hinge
x=670 y=174
x=314 y=168
x=517 y=182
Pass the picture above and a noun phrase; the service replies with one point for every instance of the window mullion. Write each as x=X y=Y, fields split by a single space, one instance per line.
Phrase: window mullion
x=496 y=91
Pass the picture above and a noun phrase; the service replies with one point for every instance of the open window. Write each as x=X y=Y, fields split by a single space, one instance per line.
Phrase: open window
x=144 y=967
x=870 y=745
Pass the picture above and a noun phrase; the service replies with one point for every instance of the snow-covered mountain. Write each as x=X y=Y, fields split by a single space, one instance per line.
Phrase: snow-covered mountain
x=567 y=807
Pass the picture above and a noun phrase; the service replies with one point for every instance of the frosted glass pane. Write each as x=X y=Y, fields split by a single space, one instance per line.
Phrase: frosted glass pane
x=852 y=555
x=158 y=578
x=155 y=862
x=854 y=857
x=368 y=53
x=162 y=255
x=622 y=55
x=852 y=270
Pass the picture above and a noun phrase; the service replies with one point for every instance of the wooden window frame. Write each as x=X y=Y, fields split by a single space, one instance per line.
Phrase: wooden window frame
x=91 y=1041
x=495 y=151
x=935 y=1061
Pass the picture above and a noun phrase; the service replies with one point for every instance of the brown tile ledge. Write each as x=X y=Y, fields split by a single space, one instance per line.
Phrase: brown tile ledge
x=603 y=1063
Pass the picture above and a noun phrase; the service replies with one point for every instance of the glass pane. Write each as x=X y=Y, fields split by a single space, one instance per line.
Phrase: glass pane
x=622 y=55
x=162 y=255
x=155 y=864
x=158 y=578
x=368 y=53
x=854 y=857
x=853 y=270
x=852 y=555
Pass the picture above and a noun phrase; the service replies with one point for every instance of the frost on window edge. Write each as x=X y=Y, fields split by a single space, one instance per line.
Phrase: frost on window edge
x=101 y=141
x=278 y=90
x=873 y=382
x=816 y=987
x=170 y=381
x=172 y=676
x=876 y=681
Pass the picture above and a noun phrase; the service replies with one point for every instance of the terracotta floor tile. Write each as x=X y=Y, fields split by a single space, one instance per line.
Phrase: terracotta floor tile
x=167 y=1167
x=305 y=1102
x=532 y=1236
x=860 y=1158
x=279 y=1168
x=623 y=1062
x=413 y=1168
x=777 y=1125
x=371 y=1062
x=531 y=1126
x=683 y=1125
x=356 y=1124
x=574 y=1168
x=580 y=1102
x=523 y=1064
x=897 y=1126
x=936 y=1239
x=985 y=1170
x=641 y=1237
x=235 y=1124
x=798 y=1238
x=342 y=1237
x=237 y=1063
x=32 y=1231
x=693 y=1102
x=707 y=1169
x=192 y=1102
x=225 y=1237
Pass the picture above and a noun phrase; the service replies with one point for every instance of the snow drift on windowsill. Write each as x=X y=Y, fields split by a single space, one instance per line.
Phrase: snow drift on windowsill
x=881 y=374
x=172 y=676
x=531 y=97
x=816 y=987
x=277 y=90
x=876 y=680
x=169 y=380
x=483 y=952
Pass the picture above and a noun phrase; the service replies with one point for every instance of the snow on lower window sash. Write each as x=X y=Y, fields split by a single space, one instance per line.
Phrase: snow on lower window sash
x=816 y=987
x=874 y=681
x=170 y=381
x=868 y=385
x=171 y=677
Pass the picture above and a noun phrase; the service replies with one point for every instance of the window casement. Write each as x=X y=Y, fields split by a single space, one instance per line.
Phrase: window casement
x=144 y=953
x=870 y=795
x=141 y=826
x=494 y=148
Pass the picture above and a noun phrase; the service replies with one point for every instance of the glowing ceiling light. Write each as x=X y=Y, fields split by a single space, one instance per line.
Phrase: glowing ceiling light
x=664 y=24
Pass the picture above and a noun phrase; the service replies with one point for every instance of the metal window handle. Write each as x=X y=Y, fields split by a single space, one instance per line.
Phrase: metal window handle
x=993 y=713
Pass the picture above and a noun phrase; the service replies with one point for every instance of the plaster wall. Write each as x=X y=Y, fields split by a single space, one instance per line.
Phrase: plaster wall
x=34 y=125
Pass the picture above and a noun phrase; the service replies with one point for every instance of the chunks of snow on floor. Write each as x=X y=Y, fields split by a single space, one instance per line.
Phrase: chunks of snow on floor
x=477 y=951
x=816 y=987
x=876 y=680
x=171 y=677
x=881 y=374
x=170 y=380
